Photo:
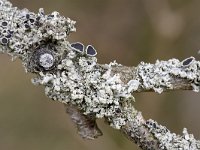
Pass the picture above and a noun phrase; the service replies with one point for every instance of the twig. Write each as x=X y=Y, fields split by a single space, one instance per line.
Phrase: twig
x=90 y=90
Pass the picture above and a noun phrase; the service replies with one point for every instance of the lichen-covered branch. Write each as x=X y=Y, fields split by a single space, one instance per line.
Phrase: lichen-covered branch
x=90 y=90
x=163 y=75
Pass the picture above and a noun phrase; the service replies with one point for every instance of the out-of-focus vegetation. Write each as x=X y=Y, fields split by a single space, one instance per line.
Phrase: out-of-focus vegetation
x=128 y=31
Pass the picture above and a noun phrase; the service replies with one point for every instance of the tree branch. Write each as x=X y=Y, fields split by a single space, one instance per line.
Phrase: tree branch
x=90 y=90
x=163 y=75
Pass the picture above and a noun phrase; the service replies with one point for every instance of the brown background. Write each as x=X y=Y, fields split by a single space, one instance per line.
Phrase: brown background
x=128 y=31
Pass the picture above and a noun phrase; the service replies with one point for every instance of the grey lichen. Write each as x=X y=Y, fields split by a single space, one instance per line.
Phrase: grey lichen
x=22 y=30
x=171 y=141
x=41 y=42
x=90 y=90
x=81 y=82
x=161 y=75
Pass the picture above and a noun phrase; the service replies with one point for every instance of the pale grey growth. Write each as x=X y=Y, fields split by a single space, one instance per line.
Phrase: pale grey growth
x=96 y=91
x=161 y=75
x=137 y=132
x=22 y=30
x=171 y=141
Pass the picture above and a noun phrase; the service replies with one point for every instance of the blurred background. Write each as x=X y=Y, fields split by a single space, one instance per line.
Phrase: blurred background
x=127 y=31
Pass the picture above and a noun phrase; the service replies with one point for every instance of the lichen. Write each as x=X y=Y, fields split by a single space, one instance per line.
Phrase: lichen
x=159 y=76
x=170 y=140
x=22 y=30
x=79 y=82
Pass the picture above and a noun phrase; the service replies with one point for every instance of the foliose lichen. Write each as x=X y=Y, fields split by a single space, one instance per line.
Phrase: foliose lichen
x=159 y=76
x=78 y=81
x=22 y=31
x=170 y=140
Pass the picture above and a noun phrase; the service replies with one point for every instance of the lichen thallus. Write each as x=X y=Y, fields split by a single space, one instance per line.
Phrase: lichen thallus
x=79 y=47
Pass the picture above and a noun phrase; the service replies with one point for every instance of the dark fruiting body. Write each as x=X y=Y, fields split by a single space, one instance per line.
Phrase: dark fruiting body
x=188 y=61
x=4 y=41
x=77 y=46
x=91 y=51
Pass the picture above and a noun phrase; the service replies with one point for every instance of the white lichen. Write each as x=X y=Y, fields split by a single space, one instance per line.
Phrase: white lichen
x=171 y=141
x=21 y=29
x=160 y=76
x=78 y=82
